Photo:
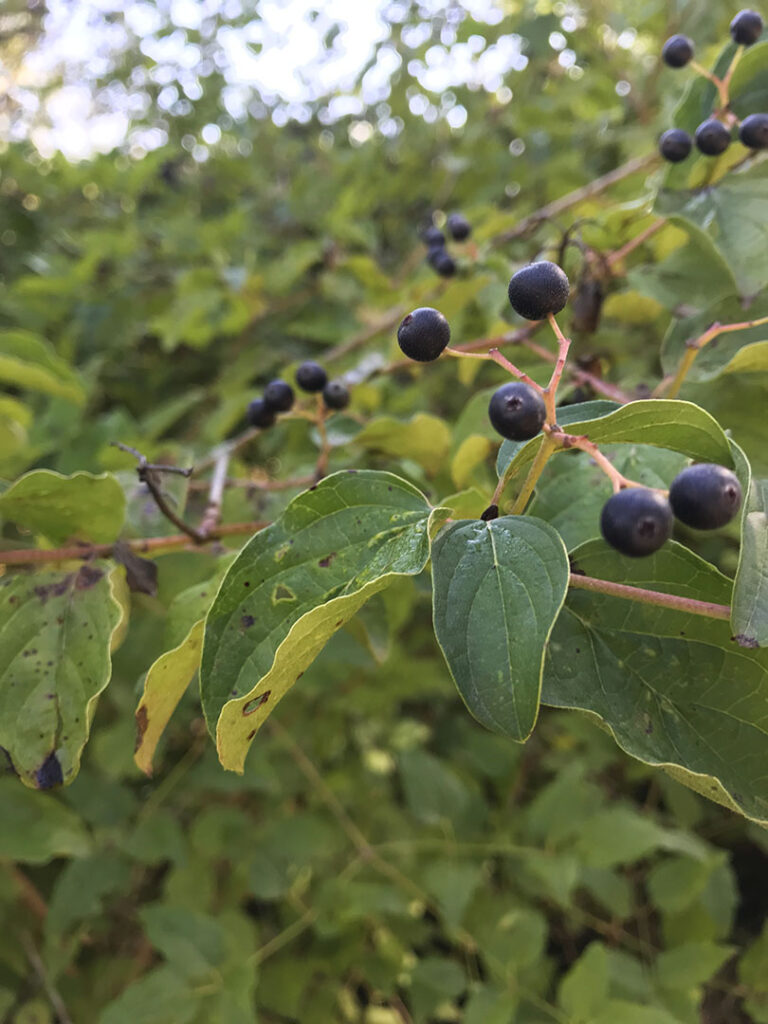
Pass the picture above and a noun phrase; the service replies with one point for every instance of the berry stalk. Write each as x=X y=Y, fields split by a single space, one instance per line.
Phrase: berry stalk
x=582 y=442
x=550 y=391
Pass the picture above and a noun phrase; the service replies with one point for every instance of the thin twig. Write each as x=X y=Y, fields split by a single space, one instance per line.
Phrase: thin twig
x=618 y=255
x=147 y=475
x=565 y=202
x=321 y=467
x=86 y=552
x=28 y=891
x=212 y=512
x=57 y=1003
x=682 y=604
x=387 y=321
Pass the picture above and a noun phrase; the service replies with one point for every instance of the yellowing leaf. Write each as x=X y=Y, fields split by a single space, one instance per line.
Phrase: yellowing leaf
x=164 y=687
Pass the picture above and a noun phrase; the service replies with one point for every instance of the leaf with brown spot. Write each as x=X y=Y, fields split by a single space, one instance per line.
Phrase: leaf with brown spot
x=164 y=687
x=377 y=527
x=55 y=635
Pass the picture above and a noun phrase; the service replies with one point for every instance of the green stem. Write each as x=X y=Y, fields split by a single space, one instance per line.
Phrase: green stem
x=695 y=346
x=547 y=449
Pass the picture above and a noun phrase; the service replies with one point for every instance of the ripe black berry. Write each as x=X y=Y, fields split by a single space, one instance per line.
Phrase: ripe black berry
x=278 y=396
x=335 y=395
x=675 y=145
x=712 y=137
x=538 y=289
x=433 y=237
x=746 y=27
x=754 y=131
x=423 y=334
x=705 y=496
x=259 y=414
x=636 y=521
x=677 y=51
x=459 y=227
x=516 y=411
x=442 y=261
x=311 y=377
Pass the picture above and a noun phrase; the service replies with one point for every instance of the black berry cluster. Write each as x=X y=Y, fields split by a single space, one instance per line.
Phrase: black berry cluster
x=311 y=377
x=516 y=410
x=278 y=395
x=713 y=136
x=438 y=256
x=637 y=520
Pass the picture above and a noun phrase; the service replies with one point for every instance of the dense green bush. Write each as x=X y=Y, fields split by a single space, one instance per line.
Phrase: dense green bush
x=380 y=856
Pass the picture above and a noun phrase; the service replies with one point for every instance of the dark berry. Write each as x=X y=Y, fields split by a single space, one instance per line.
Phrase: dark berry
x=335 y=395
x=746 y=27
x=516 y=411
x=712 y=137
x=705 y=496
x=675 y=145
x=459 y=227
x=753 y=131
x=278 y=396
x=677 y=51
x=442 y=261
x=259 y=414
x=433 y=237
x=539 y=289
x=636 y=521
x=311 y=377
x=423 y=334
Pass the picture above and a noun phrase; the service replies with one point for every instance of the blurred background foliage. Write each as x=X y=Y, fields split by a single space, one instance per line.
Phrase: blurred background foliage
x=384 y=859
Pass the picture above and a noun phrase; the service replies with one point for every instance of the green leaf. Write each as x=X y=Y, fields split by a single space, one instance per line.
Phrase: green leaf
x=498 y=588
x=56 y=631
x=487 y=1005
x=734 y=214
x=691 y=278
x=296 y=583
x=749 y=606
x=691 y=964
x=678 y=881
x=673 y=688
x=164 y=687
x=433 y=792
x=753 y=973
x=616 y=1010
x=584 y=989
x=426 y=439
x=81 y=506
x=160 y=997
x=81 y=888
x=37 y=828
x=679 y=426
x=27 y=361
x=748 y=90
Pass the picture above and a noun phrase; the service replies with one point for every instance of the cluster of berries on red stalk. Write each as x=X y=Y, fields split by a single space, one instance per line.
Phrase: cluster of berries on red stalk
x=438 y=256
x=636 y=520
x=278 y=395
x=713 y=136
